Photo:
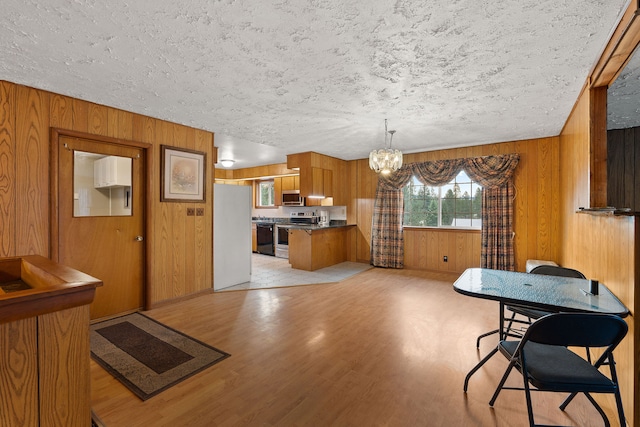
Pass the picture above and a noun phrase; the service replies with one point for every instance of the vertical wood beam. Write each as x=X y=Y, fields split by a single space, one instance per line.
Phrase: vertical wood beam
x=598 y=147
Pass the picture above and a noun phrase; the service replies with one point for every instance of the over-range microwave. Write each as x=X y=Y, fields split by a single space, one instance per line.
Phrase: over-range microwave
x=292 y=198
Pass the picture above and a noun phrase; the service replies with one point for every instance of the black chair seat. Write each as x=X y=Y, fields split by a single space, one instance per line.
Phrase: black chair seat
x=543 y=358
x=556 y=368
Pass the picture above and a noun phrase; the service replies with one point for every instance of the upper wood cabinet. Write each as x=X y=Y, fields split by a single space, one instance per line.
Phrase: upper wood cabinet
x=322 y=176
x=277 y=191
x=316 y=182
x=290 y=183
x=327 y=181
x=284 y=183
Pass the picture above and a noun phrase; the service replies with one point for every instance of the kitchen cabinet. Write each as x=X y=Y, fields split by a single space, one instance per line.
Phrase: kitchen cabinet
x=317 y=170
x=312 y=249
x=111 y=172
x=319 y=184
x=254 y=237
x=277 y=191
x=284 y=183
x=327 y=182
x=290 y=182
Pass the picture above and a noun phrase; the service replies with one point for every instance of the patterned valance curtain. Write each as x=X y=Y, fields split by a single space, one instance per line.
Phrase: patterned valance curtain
x=494 y=173
x=387 y=241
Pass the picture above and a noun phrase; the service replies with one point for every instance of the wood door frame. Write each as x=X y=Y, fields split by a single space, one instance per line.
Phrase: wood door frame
x=54 y=236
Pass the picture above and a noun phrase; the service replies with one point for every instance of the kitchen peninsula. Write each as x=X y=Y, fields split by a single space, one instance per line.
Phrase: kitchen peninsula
x=312 y=247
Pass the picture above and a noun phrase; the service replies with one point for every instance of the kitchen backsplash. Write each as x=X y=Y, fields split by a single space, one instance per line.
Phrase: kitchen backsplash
x=335 y=212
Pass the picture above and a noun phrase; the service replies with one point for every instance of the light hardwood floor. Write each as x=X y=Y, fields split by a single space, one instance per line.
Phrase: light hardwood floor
x=383 y=348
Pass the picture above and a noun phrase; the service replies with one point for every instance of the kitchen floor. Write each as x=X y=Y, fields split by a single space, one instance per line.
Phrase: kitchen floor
x=272 y=272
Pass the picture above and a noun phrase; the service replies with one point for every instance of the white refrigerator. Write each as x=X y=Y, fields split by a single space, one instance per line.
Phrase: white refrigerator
x=231 y=235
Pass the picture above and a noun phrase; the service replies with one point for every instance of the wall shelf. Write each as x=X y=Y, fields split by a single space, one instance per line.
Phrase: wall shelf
x=608 y=211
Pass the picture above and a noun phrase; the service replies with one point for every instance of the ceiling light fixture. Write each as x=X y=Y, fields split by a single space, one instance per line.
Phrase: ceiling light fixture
x=386 y=160
x=227 y=163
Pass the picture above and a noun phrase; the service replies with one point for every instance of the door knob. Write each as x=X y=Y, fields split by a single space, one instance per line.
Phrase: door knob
x=139 y=238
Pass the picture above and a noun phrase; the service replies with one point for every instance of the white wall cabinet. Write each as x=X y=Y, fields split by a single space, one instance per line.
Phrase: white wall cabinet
x=112 y=171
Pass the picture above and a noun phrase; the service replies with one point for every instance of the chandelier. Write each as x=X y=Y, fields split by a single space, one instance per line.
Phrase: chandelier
x=386 y=160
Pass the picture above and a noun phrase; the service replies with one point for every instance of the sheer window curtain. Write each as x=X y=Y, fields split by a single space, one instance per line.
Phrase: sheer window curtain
x=494 y=173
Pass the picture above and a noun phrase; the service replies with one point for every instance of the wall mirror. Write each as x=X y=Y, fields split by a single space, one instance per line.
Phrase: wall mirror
x=623 y=138
x=101 y=185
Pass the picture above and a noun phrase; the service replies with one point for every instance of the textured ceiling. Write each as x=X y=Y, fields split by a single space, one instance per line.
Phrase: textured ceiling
x=273 y=77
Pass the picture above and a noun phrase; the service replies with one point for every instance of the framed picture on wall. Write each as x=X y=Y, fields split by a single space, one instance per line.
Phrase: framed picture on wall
x=183 y=175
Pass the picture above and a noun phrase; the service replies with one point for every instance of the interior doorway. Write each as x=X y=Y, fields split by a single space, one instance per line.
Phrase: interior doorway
x=98 y=216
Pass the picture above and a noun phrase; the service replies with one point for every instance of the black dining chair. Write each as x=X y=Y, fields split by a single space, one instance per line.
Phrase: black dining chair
x=545 y=362
x=529 y=313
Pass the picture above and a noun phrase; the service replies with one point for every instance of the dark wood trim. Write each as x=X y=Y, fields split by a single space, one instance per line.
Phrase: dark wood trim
x=619 y=49
x=616 y=54
x=598 y=147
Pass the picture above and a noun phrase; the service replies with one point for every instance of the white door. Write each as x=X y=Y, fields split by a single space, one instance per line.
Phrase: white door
x=231 y=235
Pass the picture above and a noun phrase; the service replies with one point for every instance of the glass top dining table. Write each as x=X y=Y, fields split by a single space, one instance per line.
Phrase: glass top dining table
x=547 y=293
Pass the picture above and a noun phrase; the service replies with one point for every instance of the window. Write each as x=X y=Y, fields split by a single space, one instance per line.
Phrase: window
x=456 y=204
x=265 y=194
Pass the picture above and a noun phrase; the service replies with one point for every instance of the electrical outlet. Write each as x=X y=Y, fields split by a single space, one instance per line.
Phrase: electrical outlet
x=199 y=211
x=445 y=258
x=191 y=211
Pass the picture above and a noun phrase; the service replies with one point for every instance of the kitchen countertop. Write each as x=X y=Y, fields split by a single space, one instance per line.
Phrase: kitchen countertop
x=313 y=227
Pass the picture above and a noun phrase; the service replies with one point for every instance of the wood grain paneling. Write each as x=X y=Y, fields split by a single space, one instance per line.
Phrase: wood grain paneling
x=32 y=170
x=601 y=247
x=184 y=244
x=313 y=250
x=256 y=172
x=7 y=170
x=19 y=373
x=536 y=213
x=61 y=112
x=63 y=351
x=120 y=124
x=98 y=119
x=426 y=249
x=598 y=147
x=364 y=182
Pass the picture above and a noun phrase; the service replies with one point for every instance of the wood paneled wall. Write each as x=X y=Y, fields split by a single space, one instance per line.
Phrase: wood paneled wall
x=363 y=182
x=602 y=247
x=536 y=209
x=180 y=247
x=255 y=172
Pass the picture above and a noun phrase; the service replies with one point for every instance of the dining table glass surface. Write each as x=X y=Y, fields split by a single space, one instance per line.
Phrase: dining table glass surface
x=547 y=293
x=551 y=293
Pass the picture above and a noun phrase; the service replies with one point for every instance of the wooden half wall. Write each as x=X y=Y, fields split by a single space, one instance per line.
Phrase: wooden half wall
x=536 y=209
x=180 y=247
x=604 y=247
x=601 y=247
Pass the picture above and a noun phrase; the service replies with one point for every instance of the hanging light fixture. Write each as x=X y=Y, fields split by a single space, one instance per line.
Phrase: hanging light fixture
x=386 y=160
